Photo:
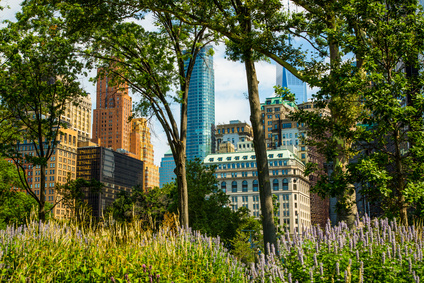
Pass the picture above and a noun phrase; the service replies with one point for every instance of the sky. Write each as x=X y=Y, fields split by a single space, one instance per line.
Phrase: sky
x=231 y=101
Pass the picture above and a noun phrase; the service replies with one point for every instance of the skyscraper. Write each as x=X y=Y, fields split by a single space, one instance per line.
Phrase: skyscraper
x=201 y=106
x=143 y=148
x=110 y=118
x=166 y=169
x=296 y=86
x=112 y=129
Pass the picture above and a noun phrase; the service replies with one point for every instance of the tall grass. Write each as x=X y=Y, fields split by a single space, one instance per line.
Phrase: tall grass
x=62 y=252
x=373 y=251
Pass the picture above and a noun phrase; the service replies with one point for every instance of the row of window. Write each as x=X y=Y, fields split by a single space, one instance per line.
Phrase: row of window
x=232 y=130
x=255 y=187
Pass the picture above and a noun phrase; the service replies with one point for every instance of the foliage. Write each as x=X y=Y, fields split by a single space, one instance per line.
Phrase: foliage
x=15 y=207
x=38 y=79
x=372 y=251
x=151 y=63
x=72 y=195
x=248 y=240
x=209 y=207
x=148 y=206
x=390 y=138
x=55 y=252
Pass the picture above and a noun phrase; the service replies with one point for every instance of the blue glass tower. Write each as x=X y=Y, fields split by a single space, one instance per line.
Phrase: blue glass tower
x=166 y=169
x=201 y=107
x=296 y=86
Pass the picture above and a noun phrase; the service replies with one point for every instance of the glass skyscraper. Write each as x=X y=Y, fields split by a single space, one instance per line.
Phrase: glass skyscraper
x=296 y=86
x=166 y=169
x=201 y=106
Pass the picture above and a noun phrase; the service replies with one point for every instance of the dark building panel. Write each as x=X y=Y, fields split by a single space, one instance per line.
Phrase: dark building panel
x=117 y=171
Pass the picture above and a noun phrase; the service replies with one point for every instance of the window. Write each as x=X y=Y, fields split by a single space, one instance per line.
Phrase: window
x=275 y=185
x=234 y=187
x=286 y=125
x=244 y=186
x=255 y=185
x=224 y=187
x=285 y=185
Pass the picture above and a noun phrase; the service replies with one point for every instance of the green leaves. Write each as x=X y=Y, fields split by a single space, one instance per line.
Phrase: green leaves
x=38 y=80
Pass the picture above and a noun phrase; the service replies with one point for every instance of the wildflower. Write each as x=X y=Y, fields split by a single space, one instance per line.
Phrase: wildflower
x=337 y=268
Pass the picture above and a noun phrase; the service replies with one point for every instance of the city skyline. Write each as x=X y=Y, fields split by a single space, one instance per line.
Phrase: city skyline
x=230 y=86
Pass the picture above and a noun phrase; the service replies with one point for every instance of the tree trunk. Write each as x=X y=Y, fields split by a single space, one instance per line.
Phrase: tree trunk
x=180 y=171
x=265 y=193
x=41 y=207
x=346 y=200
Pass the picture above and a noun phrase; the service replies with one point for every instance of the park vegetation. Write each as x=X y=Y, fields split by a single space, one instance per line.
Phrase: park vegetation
x=366 y=61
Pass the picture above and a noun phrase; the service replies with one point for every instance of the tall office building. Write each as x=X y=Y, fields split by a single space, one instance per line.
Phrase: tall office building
x=201 y=106
x=166 y=169
x=60 y=167
x=142 y=146
x=118 y=172
x=238 y=177
x=111 y=128
x=274 y=110
x=79 y=117
x=296 y=86
x=228 y=136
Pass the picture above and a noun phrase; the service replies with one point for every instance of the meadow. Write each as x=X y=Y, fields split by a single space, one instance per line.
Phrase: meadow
x=373 y=251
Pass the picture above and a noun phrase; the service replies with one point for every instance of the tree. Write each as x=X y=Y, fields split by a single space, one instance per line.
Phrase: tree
x=72 y=195
x=390 y=139
x=15 y=207
x=38 y=78
x=239 y=22
x=209 y=207
x=151 y=63
x=149 y=206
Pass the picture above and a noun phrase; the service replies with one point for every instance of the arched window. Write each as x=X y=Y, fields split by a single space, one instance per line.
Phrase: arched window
x=285 y=185
x=244 y=186
x=234 y=187
x=275 y=185
x=255 y=185
x=224 y=187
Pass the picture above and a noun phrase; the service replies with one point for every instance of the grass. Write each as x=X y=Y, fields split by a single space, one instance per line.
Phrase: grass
x=62 y=252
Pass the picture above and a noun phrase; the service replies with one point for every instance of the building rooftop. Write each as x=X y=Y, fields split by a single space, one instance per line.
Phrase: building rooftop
x=240 y=156
x=278 y=101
